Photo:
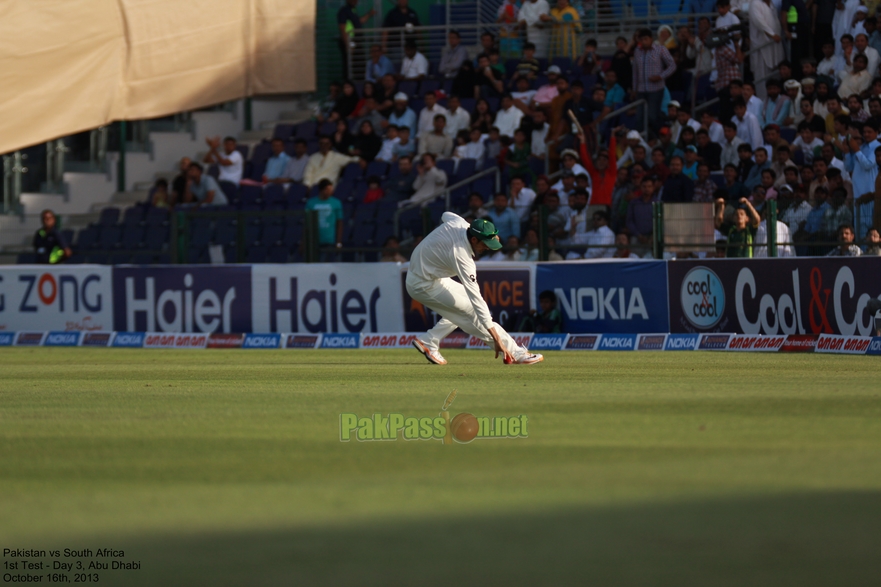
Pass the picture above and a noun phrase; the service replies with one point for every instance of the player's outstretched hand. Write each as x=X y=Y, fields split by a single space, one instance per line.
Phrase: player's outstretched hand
x=499 y=348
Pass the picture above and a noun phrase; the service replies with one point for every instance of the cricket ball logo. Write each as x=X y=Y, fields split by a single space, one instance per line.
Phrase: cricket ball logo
x=462 y=428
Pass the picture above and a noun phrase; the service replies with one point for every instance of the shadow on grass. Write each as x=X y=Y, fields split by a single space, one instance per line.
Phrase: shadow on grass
x=803 y=540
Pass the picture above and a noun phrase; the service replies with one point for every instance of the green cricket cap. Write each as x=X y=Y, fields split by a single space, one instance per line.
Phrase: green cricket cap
x=486 y=231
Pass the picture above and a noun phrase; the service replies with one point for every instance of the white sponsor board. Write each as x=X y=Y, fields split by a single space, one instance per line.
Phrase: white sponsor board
x=757 y=342
x=62 y=298
x=327 y=297
x=851 y=345
x=168 y=340
x=521 y=338
x=388 y=340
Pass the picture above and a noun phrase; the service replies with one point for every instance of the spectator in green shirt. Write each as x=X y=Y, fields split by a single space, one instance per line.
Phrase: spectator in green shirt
x=330 y=215
x=742 y=231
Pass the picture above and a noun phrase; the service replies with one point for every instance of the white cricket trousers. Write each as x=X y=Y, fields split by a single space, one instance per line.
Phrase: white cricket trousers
x=449 y=299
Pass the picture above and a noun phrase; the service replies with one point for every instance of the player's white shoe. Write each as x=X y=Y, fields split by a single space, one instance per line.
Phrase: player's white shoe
x=525 y=358
x=432 y=356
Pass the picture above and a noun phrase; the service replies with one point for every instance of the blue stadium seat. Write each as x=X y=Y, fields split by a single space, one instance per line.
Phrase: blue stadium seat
x=133 y=216
x=257 y=169
x=143 y=259
x=132 y=237
x=256 y=254
x=156 y=238
x=278 y=254
x=197 y=255
x=283 y=131
x=273 y=234
x=262 y=151
x=214 y=170
x=429 y=85
x=200 y=233
x=327 y=128
x=564 y=63
x=464 y=170
x=225 y=232
x=67 y=235
x=109 y=217
x=26 y=258
x=243 y=149
x=293 y=233
x=362 y=234
x=251 y=194
x=447 y=166
x=109 y=237
x=231 y=191
x=297 y=196
x=468 y=104
x=365 y=213
x=253 y=234
x=378 y=168
x=493 y=104
x=788 y=134
x=274 y=195
x=87 y=238
x=352 y=171
x=306 y=130
x=98 y=258
x=409 y=87
x=485 y=186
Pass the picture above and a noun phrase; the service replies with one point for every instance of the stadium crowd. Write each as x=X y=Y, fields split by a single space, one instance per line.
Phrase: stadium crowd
x=553 y=116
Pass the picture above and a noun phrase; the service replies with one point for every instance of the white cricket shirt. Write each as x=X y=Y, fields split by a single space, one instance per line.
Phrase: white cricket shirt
x=446 y=252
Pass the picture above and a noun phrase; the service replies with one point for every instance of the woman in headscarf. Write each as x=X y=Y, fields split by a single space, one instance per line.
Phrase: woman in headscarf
x=667 y=38
x=346 y=103
x=343 y=141
x=465 y=82
x=567 y=26
x=367 y=144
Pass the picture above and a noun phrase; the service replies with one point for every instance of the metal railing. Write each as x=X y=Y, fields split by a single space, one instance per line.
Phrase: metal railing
x=181 y=230
x=431 y=40
x=13 y=168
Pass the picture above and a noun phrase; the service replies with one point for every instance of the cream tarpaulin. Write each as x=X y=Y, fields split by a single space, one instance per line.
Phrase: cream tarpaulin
x=72 y=65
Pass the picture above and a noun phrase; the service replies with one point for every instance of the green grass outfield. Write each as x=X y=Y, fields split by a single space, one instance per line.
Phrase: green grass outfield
x=641 y=469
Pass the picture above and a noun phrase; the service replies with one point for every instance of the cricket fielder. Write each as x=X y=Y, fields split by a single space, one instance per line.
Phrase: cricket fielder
x=449 y=250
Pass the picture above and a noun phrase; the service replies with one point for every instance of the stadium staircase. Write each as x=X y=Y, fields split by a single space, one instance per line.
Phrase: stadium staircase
x=83 y=194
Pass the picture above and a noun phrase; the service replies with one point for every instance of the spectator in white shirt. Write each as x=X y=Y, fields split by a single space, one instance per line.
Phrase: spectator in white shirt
x=753 y=103
x=428 y=183
x=714 y=127
x=457 y=118
x=387 y=152
x=425 y=123
x=523 y=95
x=540 y=128
x=508 y=117
x=230 y=161
x=598 y=239
x=327 y=163
x=748 y=128
x=861 y=43
x=521 y=198
x=475 y=149
x=415 y=65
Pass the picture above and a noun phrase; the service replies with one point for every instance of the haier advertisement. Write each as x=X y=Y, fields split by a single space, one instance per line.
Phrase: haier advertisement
x=338 y=297
x=182 y=298
x=620 y=297
x=774 y=296
x=59 y=298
